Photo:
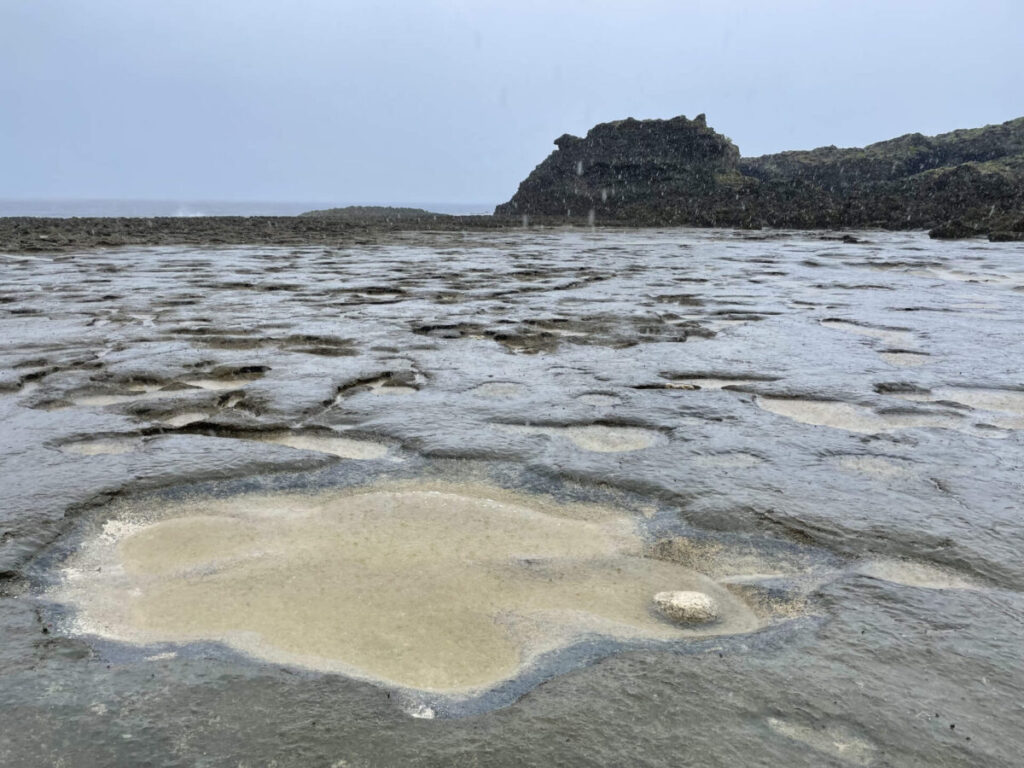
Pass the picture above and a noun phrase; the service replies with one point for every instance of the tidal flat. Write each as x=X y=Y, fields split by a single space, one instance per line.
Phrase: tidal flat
x=409 y=501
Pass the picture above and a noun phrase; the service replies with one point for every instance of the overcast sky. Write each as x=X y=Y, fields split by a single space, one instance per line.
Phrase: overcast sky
x=457 y=100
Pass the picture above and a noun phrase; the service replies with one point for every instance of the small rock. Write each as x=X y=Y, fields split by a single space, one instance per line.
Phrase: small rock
x=687 y=607
x=955 y=229
x=1003 y=236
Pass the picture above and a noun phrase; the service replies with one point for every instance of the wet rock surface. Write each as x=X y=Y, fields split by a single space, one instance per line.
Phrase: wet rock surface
x=363 y=226
x=830 y=433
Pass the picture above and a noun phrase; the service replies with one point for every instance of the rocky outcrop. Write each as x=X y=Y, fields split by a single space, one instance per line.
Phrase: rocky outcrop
x=681 y=171
x=638 y=171
x=975 y=176
x=27 y=234
x=364 y=213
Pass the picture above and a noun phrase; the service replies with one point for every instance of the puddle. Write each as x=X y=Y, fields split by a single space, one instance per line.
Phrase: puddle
x=343 y=447
x=913 y=574
x=824 y=413
x=435 y=588
x=834 y=740
x=1006 y=406
x=596 y=437
x=707 y=383
x=186 y=418
x=218 y=385
x=107 y=447
x=905 y=359
x=1008 y=401
x=381 y=387
x=888 y=335
x=610 y=439
x=857 y=418
x=136 y=394
x=104 y=400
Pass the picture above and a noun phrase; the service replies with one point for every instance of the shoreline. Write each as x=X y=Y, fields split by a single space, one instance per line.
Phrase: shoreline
x=56 y=235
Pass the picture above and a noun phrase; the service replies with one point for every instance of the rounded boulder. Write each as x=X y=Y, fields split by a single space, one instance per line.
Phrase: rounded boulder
x=687 y=607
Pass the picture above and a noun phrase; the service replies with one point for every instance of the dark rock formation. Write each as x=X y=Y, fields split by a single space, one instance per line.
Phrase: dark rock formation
x=680 y=171
x=1006 y=229
x=373 y=213
x=25 y=234
x=651 y=173
x=956 y=229
x=637 y=171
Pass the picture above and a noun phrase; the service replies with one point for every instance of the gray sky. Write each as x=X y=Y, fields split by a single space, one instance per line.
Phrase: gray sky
x=457 y=100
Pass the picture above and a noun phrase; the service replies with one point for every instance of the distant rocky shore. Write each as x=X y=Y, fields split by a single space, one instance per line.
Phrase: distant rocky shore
x=26 y=234
x=680 y=171
x=675 y=172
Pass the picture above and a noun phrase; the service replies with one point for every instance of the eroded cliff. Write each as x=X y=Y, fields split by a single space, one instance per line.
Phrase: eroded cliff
x=680 y=171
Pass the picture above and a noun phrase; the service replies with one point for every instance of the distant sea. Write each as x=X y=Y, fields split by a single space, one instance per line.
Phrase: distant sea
x=87 y=208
